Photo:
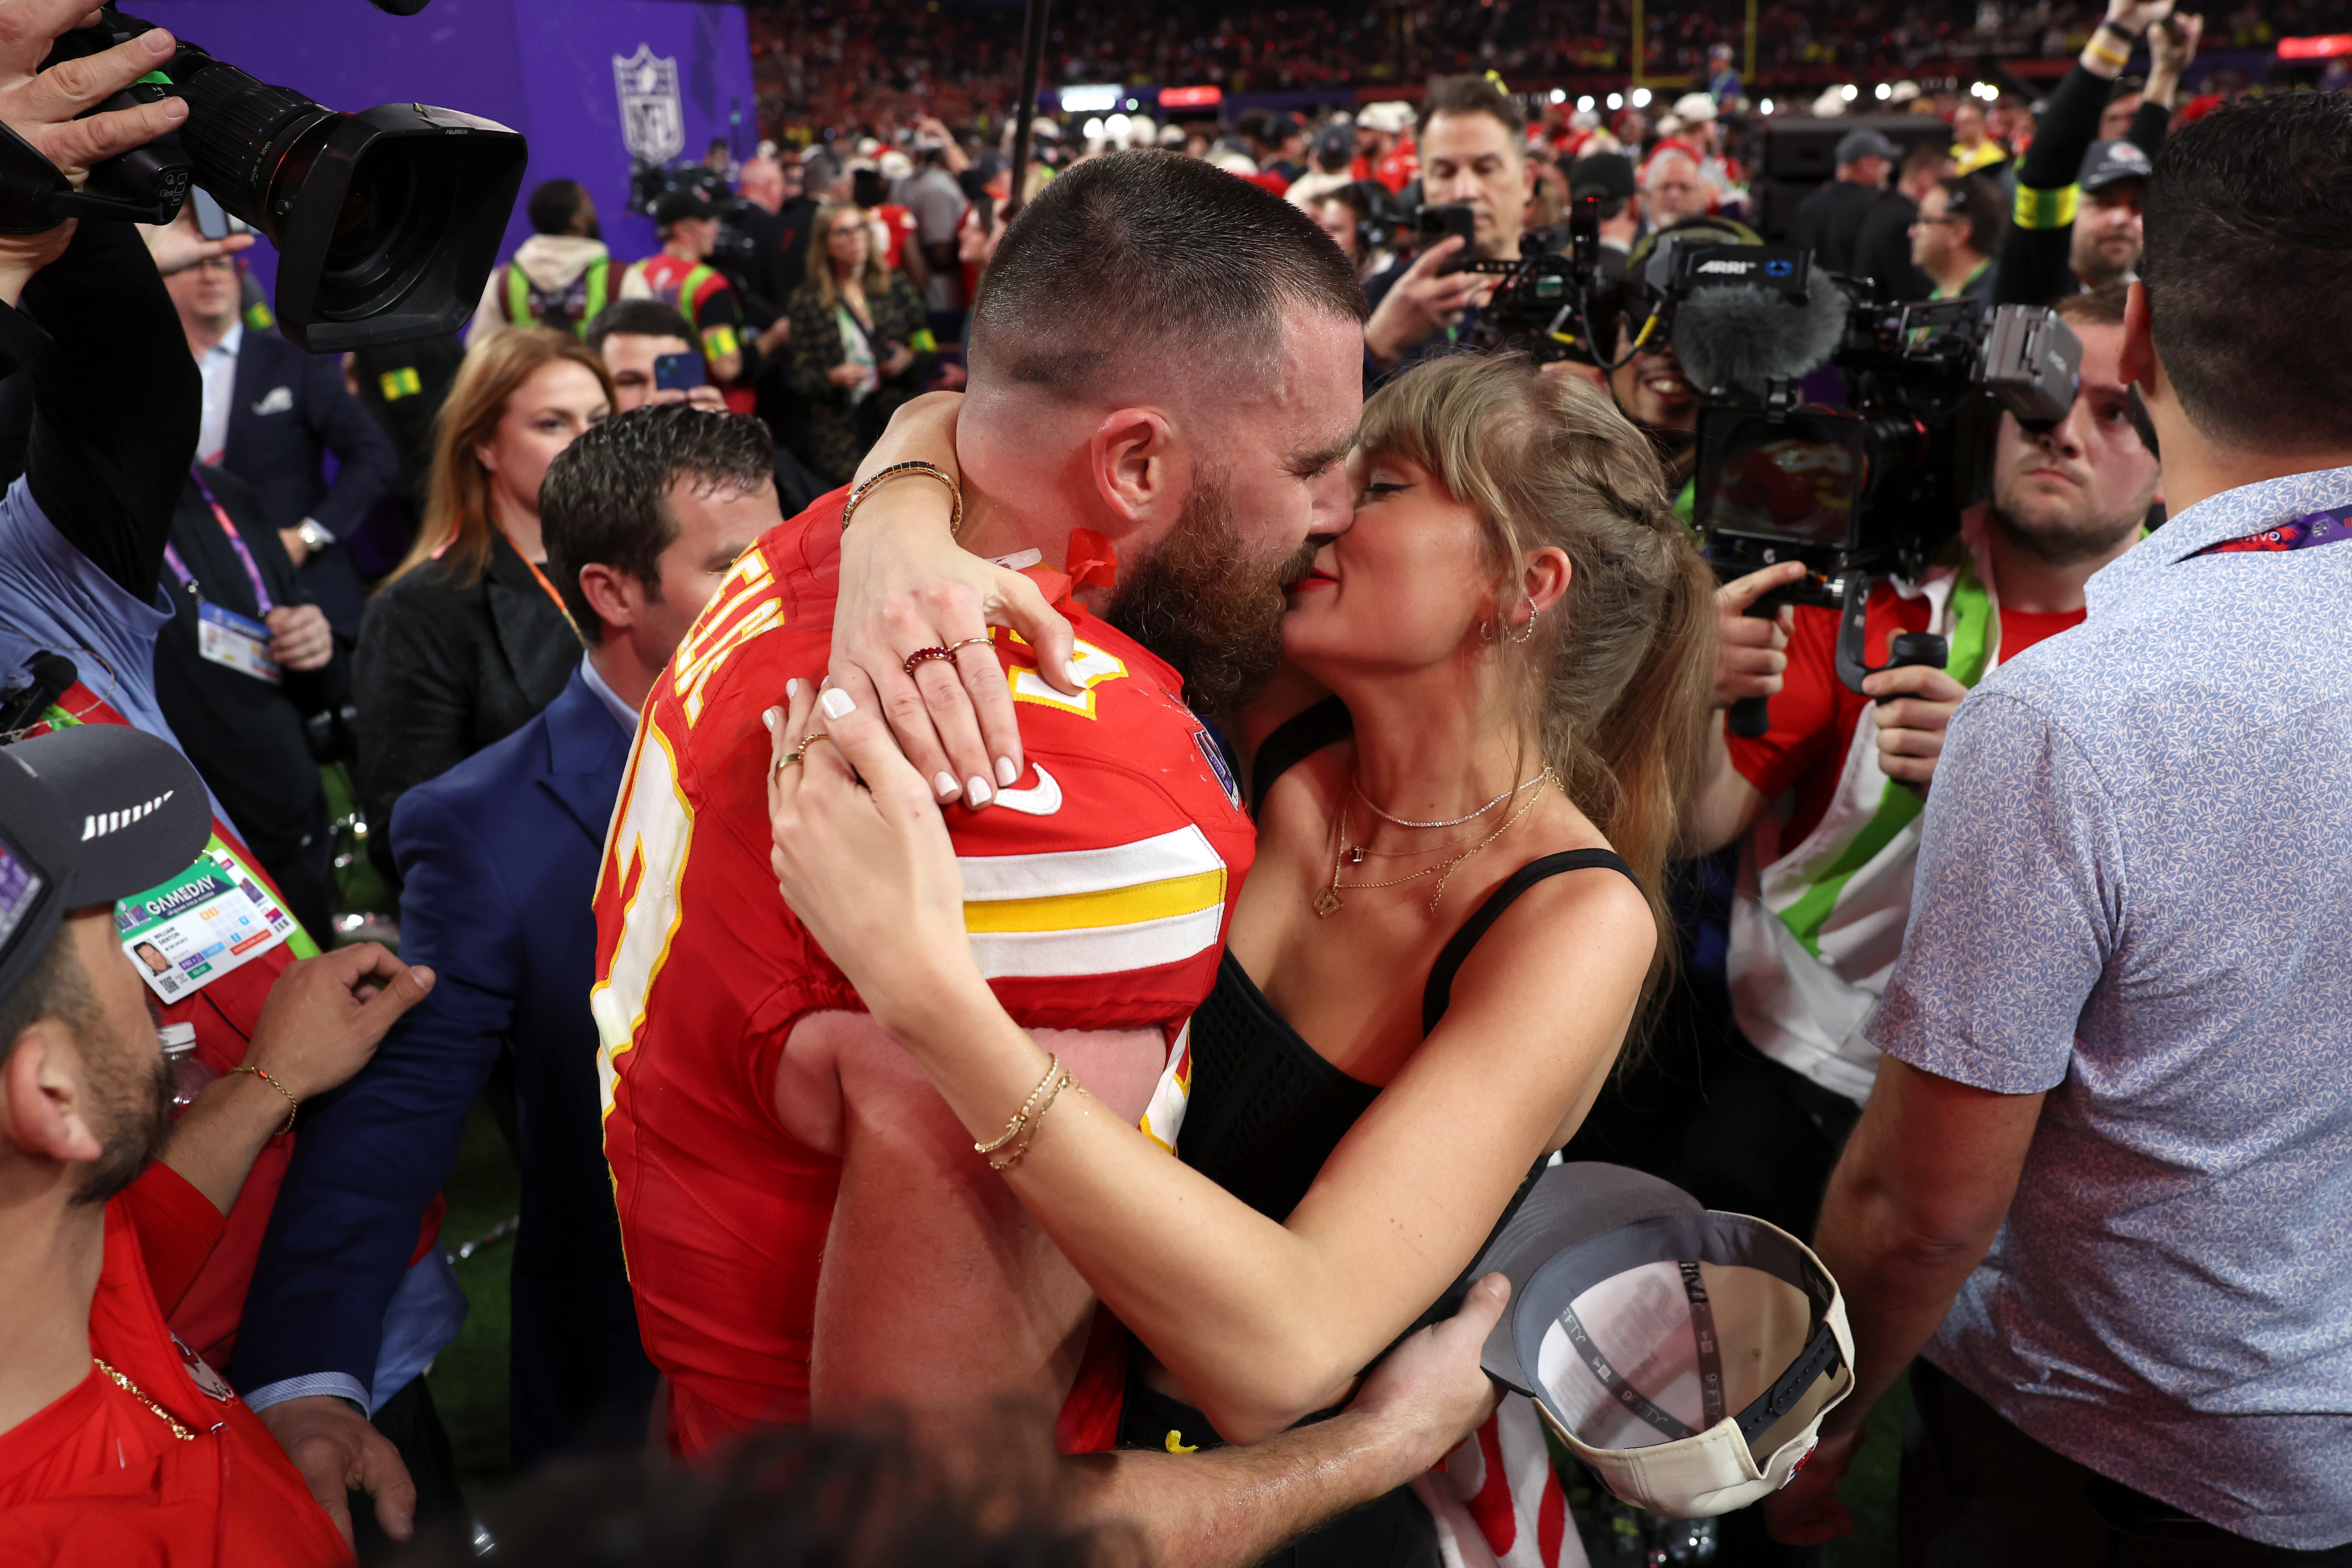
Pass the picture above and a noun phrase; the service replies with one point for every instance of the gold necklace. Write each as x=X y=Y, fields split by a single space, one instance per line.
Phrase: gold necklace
x=1328 y=902
x=132 y=1389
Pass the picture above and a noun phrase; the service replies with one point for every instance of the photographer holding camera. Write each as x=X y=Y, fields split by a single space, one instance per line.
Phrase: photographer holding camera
x=1817 y=921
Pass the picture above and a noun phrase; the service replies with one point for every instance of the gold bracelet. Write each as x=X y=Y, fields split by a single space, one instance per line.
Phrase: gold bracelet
x=955 y=492
x=1021 y=1116
x=1059 y=1080
x=292 y=1104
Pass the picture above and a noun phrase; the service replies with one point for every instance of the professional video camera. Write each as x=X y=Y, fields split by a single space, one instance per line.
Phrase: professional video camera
x=386 y=221
x=1550 y=304
x=733 y=251
x=1873 y=487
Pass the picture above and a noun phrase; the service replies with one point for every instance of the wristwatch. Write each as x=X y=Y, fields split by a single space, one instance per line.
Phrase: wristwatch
x=314 y=538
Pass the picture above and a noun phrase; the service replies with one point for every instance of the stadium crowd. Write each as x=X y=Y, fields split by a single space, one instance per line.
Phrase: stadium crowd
x=1166 y=676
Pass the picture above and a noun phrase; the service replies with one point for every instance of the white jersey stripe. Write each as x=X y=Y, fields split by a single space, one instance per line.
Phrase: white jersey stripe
x=1098 y=950
x=1186 y=852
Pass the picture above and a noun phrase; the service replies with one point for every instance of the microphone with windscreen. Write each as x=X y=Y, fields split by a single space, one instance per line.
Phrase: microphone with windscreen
x=1735 y=338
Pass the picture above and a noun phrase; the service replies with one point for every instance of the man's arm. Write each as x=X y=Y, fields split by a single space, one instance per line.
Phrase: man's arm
x=368 y=464
x=1230 y=1507
x=1914 y=1202
x=366 y=1167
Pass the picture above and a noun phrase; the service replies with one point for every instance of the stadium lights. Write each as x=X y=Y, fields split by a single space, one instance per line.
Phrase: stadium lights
x=1584 y=104
x=1849 y=92
x=1132 y=105
x=1641 y=98
x=1766 y=106
x=1191 y=97
x=1885 y=92
x=1090 y=100
x=1985 y=90
x=1616 y=100
x=1559 y=95
x=1092 y=129
x=1117 y=126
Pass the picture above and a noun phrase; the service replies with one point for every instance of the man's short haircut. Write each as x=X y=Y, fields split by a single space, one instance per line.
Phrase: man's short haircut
x=2099 y=307
x=637 y=318
x=1978 y=200
x=1925 y=156
x=1658 y=162
x=606 y=499
x=57 y=987
x=554 y=205
x=1472 y=95
x=2248 y=269
x=1131 y=267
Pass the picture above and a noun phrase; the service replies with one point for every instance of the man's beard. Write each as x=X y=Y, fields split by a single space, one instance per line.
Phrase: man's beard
x=1200 y=602
x=136 y=1107
x=2066 y=540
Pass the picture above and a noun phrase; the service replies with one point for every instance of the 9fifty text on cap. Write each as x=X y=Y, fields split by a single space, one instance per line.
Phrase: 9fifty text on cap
x=1686 y=1356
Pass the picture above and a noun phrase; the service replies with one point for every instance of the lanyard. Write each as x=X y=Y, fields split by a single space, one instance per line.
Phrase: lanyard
x=2312 y=528
x=561 y=607
x=237 y=540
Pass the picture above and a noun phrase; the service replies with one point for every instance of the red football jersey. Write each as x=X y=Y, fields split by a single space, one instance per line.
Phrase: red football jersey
x=1097 y=891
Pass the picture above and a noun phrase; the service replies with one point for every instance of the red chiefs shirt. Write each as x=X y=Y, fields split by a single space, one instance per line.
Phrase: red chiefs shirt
x=898 y=230
x=97 y=1478
x=1814 y=717
x=1098 y=890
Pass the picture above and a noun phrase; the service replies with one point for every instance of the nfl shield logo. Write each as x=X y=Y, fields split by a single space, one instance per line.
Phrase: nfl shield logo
x=653 y=121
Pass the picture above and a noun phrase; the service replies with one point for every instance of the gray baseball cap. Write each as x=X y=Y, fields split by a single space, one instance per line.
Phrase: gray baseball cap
x=1856 y=145
x=2108 y=162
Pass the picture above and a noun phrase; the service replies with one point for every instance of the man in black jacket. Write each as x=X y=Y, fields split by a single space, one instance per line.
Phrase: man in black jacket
x=1883 y=250
x=271 y=412
x=2077 y=220
x=1829 y=222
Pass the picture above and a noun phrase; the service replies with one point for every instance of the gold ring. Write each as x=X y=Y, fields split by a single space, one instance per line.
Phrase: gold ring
x=796 y=757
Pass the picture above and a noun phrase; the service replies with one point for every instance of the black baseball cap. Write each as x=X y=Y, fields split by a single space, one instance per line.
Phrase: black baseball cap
x=1609 y=176
x=2109 y=162
x=1856 y=145
x=88 y=813
x=679 y=204
x=1686 y=1355
x=1335 y=146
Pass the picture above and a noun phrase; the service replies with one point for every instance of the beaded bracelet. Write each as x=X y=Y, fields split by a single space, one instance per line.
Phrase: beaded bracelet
x=955 y=492
x=1056 y=1082
x=1021 y=1116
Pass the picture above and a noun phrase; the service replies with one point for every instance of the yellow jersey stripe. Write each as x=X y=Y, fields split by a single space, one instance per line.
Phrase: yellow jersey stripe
x=1111 y=906
x=1097 y=950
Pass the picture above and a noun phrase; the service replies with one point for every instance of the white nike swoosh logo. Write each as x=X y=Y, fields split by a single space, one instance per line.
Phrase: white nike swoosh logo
x=1044 y=800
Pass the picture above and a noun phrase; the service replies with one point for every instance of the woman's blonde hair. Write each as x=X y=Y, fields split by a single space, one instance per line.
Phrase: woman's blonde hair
x=877 y=278
x=1616 y=676
x=458 y=521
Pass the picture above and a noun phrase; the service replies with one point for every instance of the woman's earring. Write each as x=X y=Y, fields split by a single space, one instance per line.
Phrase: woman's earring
x=1530 y=629
x=1485 y=631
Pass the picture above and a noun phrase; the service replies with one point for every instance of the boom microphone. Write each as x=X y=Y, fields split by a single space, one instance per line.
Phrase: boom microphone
x=1734 y=338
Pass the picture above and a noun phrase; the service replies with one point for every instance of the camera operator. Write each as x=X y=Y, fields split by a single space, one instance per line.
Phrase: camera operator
x=1817 y=919
x=1829 y=222
x=2078 y=219
x=1473 y=148
x=1350 y=216
x=559 y=277
x=678 y=277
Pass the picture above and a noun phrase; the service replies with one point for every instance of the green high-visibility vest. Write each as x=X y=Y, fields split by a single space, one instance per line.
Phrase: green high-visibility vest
x=518 y=294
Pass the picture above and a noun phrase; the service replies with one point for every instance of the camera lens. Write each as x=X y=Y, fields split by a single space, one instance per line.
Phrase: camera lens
x=384 y=231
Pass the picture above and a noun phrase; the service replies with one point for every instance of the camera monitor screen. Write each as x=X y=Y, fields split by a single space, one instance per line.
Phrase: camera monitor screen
x=1797 y=481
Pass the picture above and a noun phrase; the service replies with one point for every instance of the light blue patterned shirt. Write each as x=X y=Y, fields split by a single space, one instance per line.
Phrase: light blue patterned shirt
x=2136 y=893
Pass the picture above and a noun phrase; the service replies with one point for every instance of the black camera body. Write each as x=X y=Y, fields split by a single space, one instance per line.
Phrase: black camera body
x=387 y=221
x=1875 y=488
x=735 y=249
x=1550 y=304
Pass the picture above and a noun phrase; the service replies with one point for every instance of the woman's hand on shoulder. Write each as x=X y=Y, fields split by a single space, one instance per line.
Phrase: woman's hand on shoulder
x=863 y=857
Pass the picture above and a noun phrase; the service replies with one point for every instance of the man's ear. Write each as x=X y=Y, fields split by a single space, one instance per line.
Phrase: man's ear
x=2137 y=360
x=613 y=593
x=1138 y=470
x=44 y=1096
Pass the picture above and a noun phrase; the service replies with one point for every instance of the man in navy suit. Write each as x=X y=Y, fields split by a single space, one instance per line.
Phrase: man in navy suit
x=270 y=411
x=642 y=516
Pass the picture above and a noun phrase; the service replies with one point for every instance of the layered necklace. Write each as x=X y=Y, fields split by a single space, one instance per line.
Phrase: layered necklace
x=1328 y=902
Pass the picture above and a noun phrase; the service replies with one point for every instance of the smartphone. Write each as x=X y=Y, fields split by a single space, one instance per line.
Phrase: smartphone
x=1453 y=218
x=213 y=220
x=678 y=373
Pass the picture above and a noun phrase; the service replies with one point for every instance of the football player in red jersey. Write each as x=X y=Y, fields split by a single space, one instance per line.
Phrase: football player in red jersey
x=807 y=1231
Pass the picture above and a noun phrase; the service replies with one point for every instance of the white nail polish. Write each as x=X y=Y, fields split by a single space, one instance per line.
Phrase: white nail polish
x=945 y=784
x=1077 y=677
x=1007 y=773
x=792 y=688
x=769 y=719
x=977 y=793
x=837 y=704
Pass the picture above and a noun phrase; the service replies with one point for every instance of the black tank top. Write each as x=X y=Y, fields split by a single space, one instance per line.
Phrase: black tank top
x=1267 y=1110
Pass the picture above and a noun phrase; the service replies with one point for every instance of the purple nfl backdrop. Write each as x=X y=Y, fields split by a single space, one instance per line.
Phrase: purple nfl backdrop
x=553 y=69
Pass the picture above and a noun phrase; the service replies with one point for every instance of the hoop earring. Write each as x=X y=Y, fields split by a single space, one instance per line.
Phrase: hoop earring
x=1485 y=631
x=1530 y=629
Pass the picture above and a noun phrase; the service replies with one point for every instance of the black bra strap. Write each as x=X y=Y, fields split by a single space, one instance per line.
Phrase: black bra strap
x=1440 y=992
x=1294 y=740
